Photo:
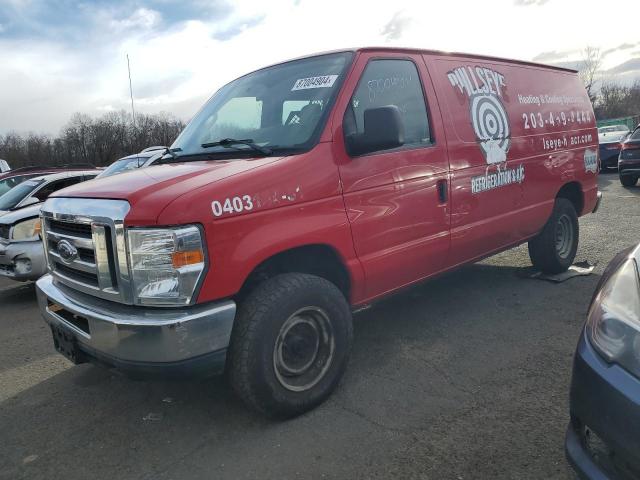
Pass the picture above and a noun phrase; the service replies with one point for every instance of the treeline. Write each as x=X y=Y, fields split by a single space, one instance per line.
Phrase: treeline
x=614 y=100
x=95 y=141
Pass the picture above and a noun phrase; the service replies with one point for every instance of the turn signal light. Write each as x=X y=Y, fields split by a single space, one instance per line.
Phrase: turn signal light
x=190 y=257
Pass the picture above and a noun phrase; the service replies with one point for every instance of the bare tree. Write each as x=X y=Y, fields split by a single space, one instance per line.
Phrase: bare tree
x=615 y=100
x=87 y=140
x=589 y=69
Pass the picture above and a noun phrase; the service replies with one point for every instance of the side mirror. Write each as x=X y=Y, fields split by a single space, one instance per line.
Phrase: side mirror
x=29 y=201
x=383 y=130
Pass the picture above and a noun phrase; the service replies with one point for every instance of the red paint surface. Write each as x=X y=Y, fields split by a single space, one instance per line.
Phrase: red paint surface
x=380 y=213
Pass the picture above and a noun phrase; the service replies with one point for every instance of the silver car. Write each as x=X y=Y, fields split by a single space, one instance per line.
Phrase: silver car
x=21 y=251
x=145 y=158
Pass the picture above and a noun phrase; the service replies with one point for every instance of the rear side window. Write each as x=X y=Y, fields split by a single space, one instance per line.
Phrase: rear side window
x=636 y=134
x=47 y=190
x=391 y=82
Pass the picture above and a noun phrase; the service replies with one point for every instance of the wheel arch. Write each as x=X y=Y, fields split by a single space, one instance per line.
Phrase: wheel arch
x=318 y=259
x=572 y=191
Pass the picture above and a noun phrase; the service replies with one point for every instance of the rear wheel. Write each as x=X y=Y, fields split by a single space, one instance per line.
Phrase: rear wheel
x=290 y=344
x=554 y=249
x=628 y=180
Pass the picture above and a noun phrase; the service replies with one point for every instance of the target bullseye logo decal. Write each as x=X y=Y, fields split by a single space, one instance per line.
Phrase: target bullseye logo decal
x=491 y=126
x=484 y=88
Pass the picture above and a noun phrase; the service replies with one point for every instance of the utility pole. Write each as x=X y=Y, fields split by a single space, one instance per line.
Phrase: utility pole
x=133 y=111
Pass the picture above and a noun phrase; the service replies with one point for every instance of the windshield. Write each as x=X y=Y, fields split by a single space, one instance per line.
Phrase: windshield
x=8 y=183
x=123 y=165
x=14 y=196
x=280 y=107
x=615 y=128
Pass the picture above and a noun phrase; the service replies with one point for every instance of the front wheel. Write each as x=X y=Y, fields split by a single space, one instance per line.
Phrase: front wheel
x=290 y=344
x=554 y=249
x=628 y=180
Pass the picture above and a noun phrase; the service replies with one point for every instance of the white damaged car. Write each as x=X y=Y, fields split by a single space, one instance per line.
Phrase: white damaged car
x=21 y=250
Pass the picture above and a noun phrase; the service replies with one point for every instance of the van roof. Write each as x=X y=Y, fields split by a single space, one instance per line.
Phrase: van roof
x=435 y=52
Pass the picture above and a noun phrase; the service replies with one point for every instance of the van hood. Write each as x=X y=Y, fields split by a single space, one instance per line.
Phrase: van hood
x=149 y=190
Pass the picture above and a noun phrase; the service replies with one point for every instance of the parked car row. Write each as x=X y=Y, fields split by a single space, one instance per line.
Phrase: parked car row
x=22 y=192
x=629 y=160
x=21 y=251
x=610 y=138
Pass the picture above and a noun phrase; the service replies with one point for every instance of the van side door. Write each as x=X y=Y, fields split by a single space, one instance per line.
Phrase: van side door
x=477 y=99
x=397 y=199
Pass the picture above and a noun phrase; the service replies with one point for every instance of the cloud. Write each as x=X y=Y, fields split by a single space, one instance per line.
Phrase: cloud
x=528 y=3
x=553 y=56
x=395 y=27
x=570 y=64
x=236 y=27
x=153 y=87
x=629 y=66
x=624 y=46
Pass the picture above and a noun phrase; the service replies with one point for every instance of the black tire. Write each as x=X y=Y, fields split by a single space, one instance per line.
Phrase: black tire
x=628 y=180
x=263 y=335
x=554 y=248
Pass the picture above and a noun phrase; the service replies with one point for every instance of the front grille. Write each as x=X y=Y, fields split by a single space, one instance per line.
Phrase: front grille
x=85 y=254
x=77 y=275
x=84 y=243
x=81 y=230
x=4 y=231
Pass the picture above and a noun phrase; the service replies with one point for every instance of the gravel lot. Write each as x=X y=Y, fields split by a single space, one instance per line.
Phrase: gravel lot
x=462 y=377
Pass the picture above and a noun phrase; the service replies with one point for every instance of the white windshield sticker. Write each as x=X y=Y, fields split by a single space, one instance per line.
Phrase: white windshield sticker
x=323 y=81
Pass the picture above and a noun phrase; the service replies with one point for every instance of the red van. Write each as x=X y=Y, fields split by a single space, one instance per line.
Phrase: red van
x=307 y=189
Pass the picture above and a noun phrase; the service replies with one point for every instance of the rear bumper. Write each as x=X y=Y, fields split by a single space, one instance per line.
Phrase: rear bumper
x=609 y=156
x=140 y=340
x=604 y=401
x=22 y=261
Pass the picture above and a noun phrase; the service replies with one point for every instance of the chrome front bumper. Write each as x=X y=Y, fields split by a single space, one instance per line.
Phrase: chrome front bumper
x=124 y=335
x=22 y=260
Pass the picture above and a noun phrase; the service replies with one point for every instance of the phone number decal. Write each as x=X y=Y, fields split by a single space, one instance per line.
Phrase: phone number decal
x=539 y=120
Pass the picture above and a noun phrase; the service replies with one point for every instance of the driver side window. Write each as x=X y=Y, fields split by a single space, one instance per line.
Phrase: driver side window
x=390 y=82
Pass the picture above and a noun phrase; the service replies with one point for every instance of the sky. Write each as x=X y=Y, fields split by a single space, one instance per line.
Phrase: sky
x=66 y=56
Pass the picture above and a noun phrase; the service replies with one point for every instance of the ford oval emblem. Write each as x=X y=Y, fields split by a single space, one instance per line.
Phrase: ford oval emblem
x=67 y=251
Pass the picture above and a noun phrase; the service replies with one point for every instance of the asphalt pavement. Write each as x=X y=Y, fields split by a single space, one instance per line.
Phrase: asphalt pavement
x=462 y=377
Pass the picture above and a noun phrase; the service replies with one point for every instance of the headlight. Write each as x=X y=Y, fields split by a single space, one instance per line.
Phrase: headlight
x=166 y=264
x=27 y=230
x=613 y=325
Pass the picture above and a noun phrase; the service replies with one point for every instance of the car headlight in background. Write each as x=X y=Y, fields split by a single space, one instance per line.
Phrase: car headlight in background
x=166 y=264
x=613 y=324
x=26 y=230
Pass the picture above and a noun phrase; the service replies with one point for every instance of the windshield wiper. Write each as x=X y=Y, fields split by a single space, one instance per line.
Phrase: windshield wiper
x=230 y=142
x=171 y=153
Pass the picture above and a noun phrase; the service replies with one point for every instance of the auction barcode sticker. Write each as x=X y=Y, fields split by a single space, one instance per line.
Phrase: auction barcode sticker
x=323 y=81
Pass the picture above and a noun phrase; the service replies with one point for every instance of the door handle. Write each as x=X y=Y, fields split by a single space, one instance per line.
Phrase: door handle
x=442 y=191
